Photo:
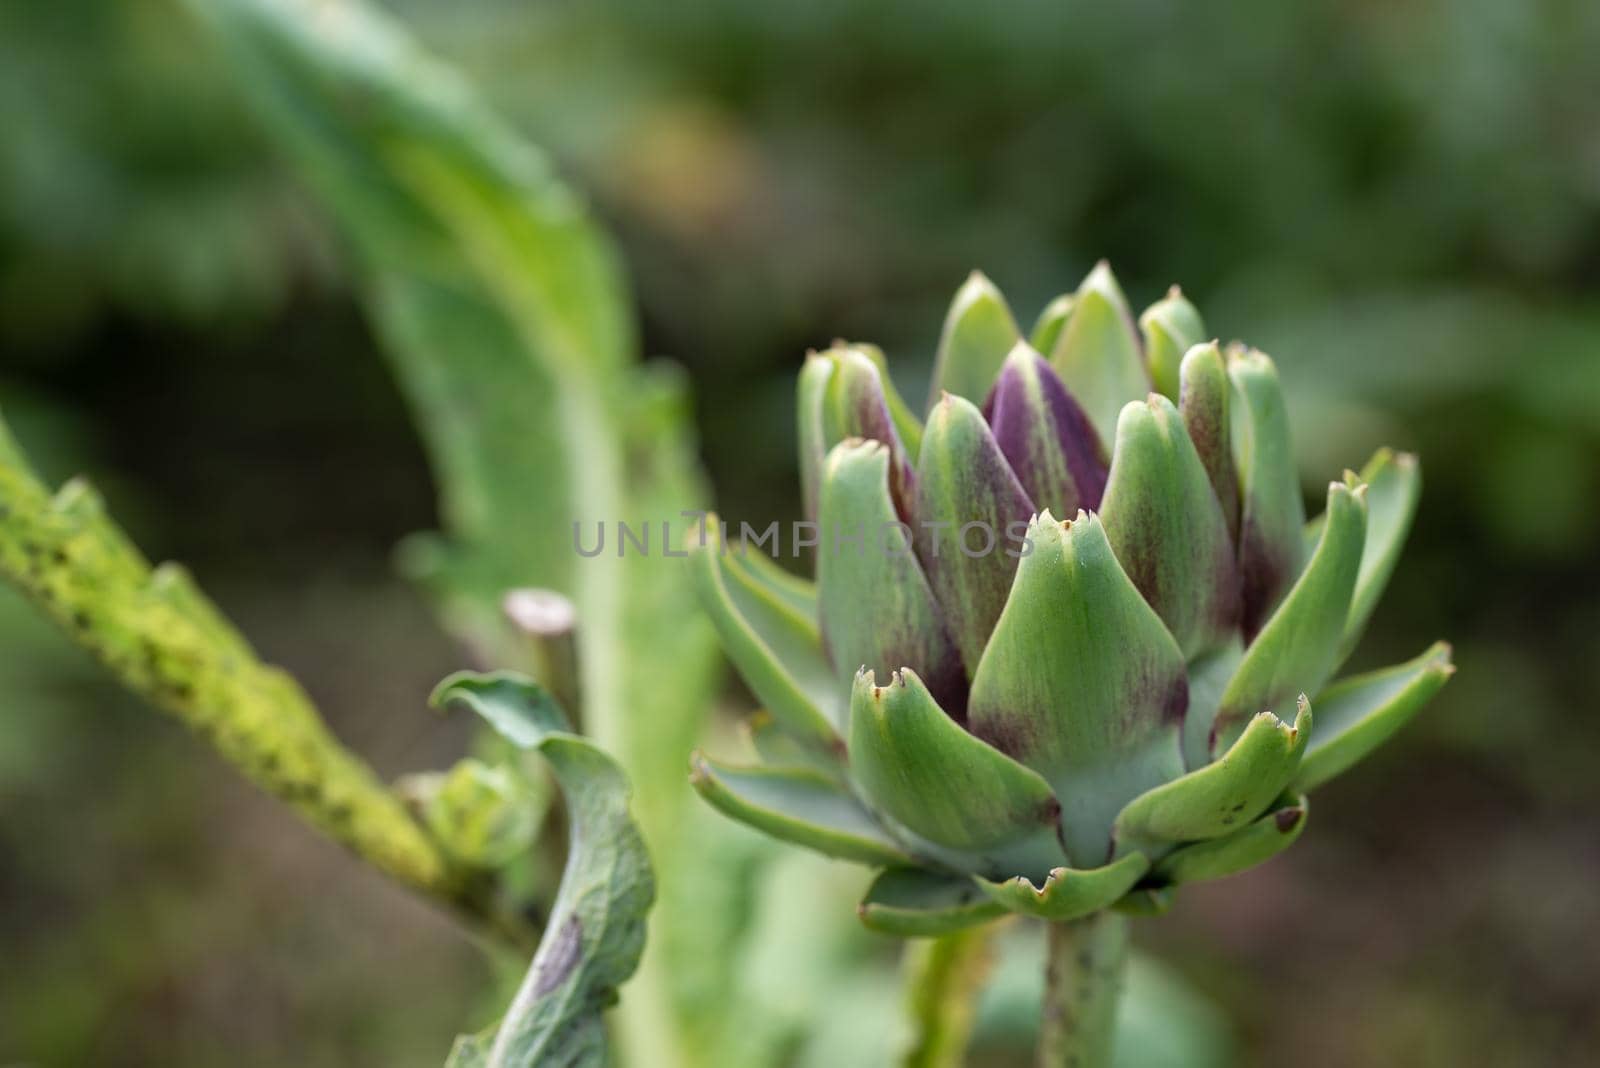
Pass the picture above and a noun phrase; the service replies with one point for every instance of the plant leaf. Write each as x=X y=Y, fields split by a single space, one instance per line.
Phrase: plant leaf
x=1358 y=714
x=1046 y=438
x=877 y=610
x=1222 y=797
x=595 y=934
x=906 y=423
x=1243 y=849
x=1205 y=398
x=1394 y=486
x=1208 y=679
x=1146 y=901
x=915 y=902
x=501 y=304
x=962 y=480
x=798 y=805
x=776 y=747
x=844 y=394
x=1069 y=893
x=1298 y=648
x=761 y=567
x=1171 y=326
x=979 y=330
x=1082 y=682
x=1271 y=511
x=777 y=650
x=918 y=766
x=1051 y=321
x=468 y=245
x=1097 y=353
x=1162 y=518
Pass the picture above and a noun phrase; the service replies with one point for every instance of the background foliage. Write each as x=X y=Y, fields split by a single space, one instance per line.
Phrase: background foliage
x=1400 y=202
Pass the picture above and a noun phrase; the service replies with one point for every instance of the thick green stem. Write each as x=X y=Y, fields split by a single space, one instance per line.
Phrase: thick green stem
x=1083 y=980
x=163 y=639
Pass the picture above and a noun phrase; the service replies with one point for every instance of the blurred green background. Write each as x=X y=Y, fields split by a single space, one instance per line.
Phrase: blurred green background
x=1400 y=202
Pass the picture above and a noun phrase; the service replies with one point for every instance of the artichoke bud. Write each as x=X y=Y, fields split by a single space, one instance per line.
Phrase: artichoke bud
x=485 y=816
x=1045 y=436
x=845 y=393
x=1011 y=711
x=978 y=332
x=1051 y=321
x=1171 y=326
x=1204 y=399
x=1272 y=514
x=1098 y=354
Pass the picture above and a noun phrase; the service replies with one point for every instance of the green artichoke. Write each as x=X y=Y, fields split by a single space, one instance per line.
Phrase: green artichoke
x=1054 y=628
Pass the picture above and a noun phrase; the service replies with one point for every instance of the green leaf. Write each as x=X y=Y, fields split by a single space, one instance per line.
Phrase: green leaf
x=777 y=650
x=1171 y=326
x=1358 y=714
x=878 y=610
x=502 y=306
x=1209 y=676
x=811 y=403
x=1220 y=798
x=595 y=934
x=1097 y=354
x=1245 y=848
x=965 y=484
x=761 y=567
x=1052 y=320
x=1082 y=682
x=776 y=747
x=506 y=314
x=922 y=769
x=1271 y=511
x=915 y=902
x=1045 y=437
x=979 y=331
x=1146 y=901
x=1298 y=648
x=800 y=806
x=1205 y=400
x=500 y=302
x=906 y=423
x=1067 y=893
x=1168 y=530
x=844 y=395
x=1394 y=486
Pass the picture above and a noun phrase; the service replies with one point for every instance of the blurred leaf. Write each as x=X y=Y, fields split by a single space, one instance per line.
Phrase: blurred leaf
x=499 y=301
x=595 y=935
x=501 y=304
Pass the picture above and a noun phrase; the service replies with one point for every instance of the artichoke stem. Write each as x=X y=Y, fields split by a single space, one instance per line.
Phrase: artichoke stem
x=1083 y=979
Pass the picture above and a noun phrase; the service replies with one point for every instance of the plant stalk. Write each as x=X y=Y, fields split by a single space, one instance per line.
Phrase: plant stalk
x=1084 y=969
x=164 y=640
x=944 y=977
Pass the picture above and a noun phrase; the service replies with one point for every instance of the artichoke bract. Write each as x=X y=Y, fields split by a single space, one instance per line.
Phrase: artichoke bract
x=1069 y=634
